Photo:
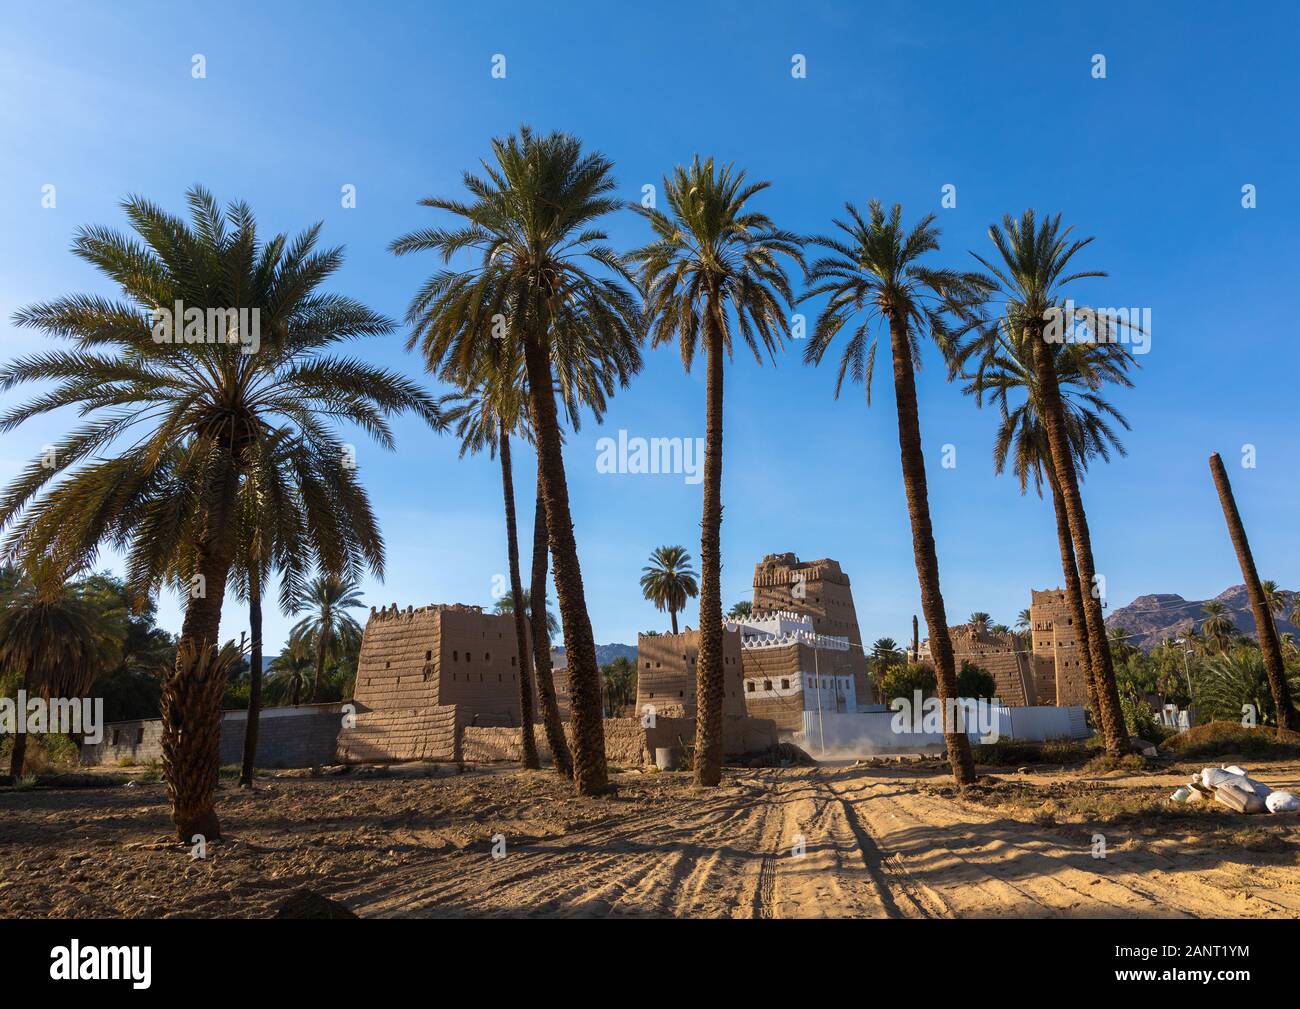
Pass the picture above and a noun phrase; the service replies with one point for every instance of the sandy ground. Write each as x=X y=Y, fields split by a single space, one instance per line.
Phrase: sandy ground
x=889 y=841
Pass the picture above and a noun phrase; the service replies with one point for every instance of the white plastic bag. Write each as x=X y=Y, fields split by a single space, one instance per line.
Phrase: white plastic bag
x=1181 y=794
x=1282 y=802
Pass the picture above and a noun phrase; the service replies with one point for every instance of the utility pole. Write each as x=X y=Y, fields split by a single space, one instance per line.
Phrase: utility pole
x=821 y=725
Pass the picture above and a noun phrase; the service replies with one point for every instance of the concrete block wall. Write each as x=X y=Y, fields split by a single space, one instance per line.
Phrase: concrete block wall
x=304 y=736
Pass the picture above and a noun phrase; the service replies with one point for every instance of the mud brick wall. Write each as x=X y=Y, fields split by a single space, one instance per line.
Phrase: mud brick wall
x=740 y=734
x=401 y=734
x=665 y=672
x=625 y=743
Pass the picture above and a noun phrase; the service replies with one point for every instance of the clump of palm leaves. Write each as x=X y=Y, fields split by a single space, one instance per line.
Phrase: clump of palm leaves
x=1233 y=683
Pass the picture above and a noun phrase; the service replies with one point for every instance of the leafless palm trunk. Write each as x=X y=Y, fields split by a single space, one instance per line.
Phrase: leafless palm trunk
x=254 y=676
x=561 y=759
x=709 y=686
x=1073 y=595
x=528 y=744
x=672 y=615
x=191 y=739
x=18 y=755
x=1103 y=671
x=321 y=645
x=590 y=770
x=1265 y=629
x=927 y=562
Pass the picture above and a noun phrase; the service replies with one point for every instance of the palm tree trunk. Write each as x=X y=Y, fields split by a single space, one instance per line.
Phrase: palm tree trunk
x=214 y=552
x=1103 y=670
x=590 y=770
x=554 y=725
x=320 y=665
x=18 y=755
x=254 y=676
x=672 y=615
x=927 y=562
x=709 y=687
x=528 y=744
x=1265 y=629
x=1073 y=594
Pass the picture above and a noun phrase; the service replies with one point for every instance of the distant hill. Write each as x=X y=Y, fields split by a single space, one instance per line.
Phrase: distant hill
x=605 y=653
x=1151 y=619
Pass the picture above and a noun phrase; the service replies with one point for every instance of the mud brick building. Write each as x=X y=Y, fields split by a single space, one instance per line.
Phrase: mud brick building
x=1056 y=645
x=821 y=591
x=425 y=674
x=790 y=669
x=1019 y=677
x=665 y=673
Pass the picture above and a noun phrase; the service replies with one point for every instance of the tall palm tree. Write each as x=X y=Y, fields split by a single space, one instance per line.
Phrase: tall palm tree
x=1025 y=285
x=545 y=282
x=872 y=271
x=1265 y=627
x=328 y=625
x=1005 y=372
x=545 y=627
x=712 y=272
x=741 y=610
x=668 y=581
x=485 y=416
x=142 y=396
x=48 y=635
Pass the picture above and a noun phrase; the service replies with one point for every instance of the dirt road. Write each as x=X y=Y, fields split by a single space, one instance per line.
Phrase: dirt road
x=830 y=841
x=875 y=843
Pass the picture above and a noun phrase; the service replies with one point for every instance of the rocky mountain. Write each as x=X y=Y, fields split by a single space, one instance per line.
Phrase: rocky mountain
x=604 y=653
x=1151 y=619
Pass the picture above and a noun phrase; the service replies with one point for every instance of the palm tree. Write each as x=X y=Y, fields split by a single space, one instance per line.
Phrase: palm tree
x=741 y=610
x=531 y=223
x=1265 y=627
x=1023 y=619
x=291 y=671
x=1006 y=372
x=712 y=272
x=47 y=635
x=484 y=417
x=668 y=580
x=142 y=396
x=620 y=685
x=980 y=621
x=506 y=604
x=1275 y=600
x=873 y=271
x=328 y=626
x=1034 y=263
x=1218 y=626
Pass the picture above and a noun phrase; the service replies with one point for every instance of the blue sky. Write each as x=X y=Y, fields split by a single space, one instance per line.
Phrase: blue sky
x=899 y=100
